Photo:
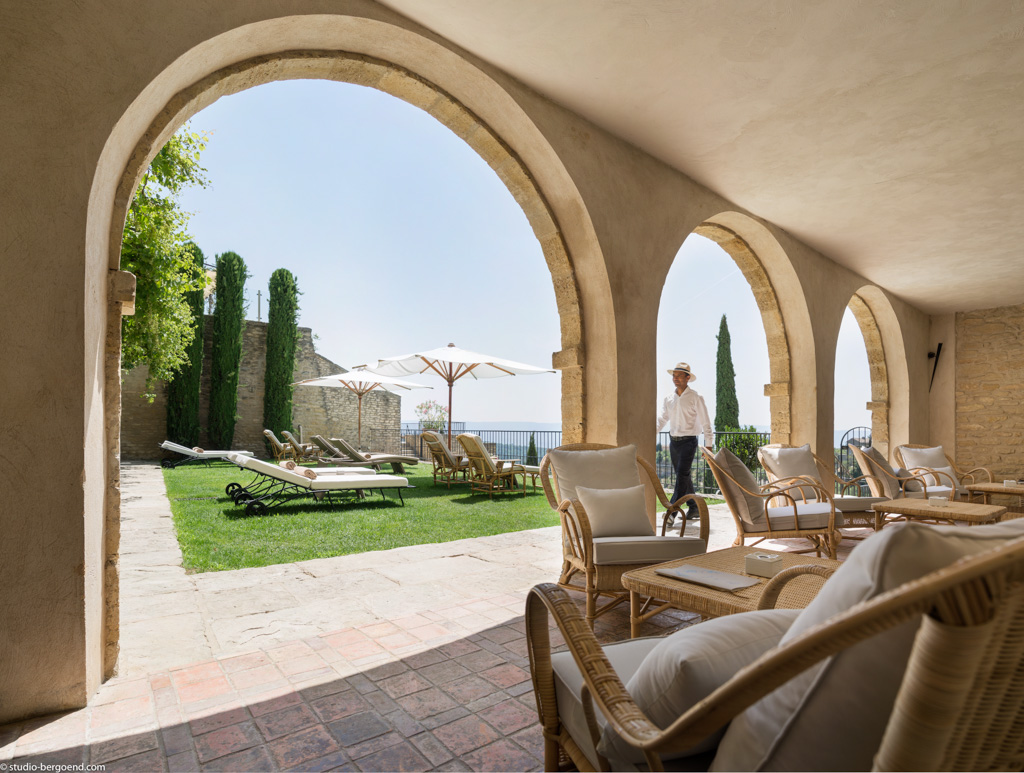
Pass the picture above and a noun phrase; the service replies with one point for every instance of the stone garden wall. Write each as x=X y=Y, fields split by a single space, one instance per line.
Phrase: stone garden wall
x=331 y=412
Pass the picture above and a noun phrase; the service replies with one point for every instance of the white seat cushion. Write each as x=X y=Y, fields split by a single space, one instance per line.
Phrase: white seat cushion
x=645 y=550
x=812 y=515
x=616 y=512
x=349 y=482
x=833 y=715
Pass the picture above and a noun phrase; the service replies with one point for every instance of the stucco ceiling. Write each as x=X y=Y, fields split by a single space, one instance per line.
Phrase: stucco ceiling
x=887 y=135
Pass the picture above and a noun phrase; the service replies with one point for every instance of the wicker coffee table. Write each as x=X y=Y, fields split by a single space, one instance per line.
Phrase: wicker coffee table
x=984 y=491
x=646 y=587
x=919 y=509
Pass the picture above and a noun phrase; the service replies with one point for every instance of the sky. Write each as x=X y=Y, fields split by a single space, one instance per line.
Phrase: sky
x=402 y=239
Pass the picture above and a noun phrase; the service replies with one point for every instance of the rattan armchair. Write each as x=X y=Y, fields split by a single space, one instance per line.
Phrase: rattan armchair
x=884 y=481
x=582 y=568
x=803 y=510
x=856 y=509
x=277 y=448
x=963 y=477
x=958 y=706
x=487 y=474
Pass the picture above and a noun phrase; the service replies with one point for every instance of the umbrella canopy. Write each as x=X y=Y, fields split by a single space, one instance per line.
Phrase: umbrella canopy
x=452 y=363
x=361 y=383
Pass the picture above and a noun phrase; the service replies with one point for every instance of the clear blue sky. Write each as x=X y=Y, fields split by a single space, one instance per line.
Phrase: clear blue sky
x=401 y=238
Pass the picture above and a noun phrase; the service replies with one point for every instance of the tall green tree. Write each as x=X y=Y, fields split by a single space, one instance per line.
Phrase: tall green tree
x=183 y=389
x=531 y=452
x=226 y=348
x=727 y=407
x=282 y=342
x=154 y=248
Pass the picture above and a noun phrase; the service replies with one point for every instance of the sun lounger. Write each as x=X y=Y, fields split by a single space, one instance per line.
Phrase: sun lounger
x=283 y=485
x=262 y=482
x=373 y=459
x=194 y=455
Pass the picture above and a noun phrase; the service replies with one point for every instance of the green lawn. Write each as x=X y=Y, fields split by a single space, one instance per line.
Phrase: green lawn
x=215 y=534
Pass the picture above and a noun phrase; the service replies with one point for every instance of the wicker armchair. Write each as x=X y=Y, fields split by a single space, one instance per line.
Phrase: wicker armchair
x=487 y=474
x=584 y=566
x=781 y=461
x=447 y=466
x=926 y=461
x=947 y=699
x=756 y=518
x=884 y=481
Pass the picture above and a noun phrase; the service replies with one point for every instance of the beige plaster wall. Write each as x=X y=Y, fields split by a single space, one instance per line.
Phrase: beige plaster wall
x=83 y=84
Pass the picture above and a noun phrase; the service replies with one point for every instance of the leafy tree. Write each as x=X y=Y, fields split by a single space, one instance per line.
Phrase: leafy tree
x=154 y=248
x=282 y=342
x=531 y=452
x=727 y=407
x=742 y=441
x=183 y=389
x=228 y=327
x=432 y=414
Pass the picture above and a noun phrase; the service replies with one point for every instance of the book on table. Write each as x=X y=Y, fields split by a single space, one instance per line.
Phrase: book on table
x=709 y=578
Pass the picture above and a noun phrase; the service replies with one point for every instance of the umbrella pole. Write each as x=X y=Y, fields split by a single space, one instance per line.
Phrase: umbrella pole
x=449 y=415
x=360 y=438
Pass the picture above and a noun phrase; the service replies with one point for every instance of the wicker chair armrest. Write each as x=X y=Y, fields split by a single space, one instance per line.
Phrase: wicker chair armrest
x=855 y=482
x=576 y=529
x=704 y=517
x=974 y=478
x=774 y=587
x=772 y=490
x=920 y=472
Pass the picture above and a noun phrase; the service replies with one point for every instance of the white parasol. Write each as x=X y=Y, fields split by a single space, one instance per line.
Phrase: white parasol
x=361 y=383
x=452 y=363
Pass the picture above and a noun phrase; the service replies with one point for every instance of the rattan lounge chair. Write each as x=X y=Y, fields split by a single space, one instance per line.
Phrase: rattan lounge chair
x=279 y=450
x=911 y=657
x=447 y=466
x=373 y=459
x=755 y=516
x=282 y=485
x=487 y=474
x=194 y=455
x=303 y=451
x=782 y=462
x=938 y=467
x=593 y=564
x=332 y=456
x=885 y=481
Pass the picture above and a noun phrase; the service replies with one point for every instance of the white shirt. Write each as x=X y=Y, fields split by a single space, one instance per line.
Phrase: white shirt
x=685 y=414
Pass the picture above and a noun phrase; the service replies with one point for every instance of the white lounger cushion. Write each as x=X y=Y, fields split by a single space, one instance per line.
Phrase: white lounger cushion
x=336 y=482
x=185 y=451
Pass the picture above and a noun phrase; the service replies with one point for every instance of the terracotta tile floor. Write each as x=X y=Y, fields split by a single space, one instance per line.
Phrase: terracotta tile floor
x=410 y=694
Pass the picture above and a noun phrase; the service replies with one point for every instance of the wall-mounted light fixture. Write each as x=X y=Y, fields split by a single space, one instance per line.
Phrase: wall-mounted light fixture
x=934 y=355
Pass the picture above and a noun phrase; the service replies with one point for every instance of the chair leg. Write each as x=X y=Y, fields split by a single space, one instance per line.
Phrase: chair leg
x=591 y=606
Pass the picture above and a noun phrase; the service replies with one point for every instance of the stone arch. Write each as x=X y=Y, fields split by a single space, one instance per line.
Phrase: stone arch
x=787 y=323
x=887 y=364
x=390 y=58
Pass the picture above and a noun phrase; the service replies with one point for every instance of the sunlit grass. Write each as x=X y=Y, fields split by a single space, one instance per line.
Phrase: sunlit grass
x=215 y=534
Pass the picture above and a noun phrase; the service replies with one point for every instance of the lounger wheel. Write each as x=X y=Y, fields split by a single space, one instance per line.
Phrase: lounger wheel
x=240 y=496
x=255 y=508
x=231 y=488
x=166 y=464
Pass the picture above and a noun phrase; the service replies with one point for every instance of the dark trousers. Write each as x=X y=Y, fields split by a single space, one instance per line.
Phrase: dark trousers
x=682 y=451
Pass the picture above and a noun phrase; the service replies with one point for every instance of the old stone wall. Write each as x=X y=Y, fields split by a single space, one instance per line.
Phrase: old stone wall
x=989 y=391
x=330 y=411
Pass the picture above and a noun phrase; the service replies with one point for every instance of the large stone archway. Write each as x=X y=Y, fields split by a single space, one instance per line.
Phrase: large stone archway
x=369 y=53
x=887 y=364
x=787 y=326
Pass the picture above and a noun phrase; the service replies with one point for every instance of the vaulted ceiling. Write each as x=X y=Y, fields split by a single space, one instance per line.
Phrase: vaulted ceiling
x=887 y=135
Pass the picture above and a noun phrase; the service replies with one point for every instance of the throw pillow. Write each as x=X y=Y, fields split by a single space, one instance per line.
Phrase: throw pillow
x=751 y=507
x=792 y=463
x=909 y=485
x=616 y=512
x=798 y=726
x=689 y=665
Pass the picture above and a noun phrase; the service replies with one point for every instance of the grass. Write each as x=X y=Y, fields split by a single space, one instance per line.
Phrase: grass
x=215 y=534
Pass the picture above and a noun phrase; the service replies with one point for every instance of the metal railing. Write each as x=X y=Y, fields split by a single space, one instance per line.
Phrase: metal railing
x=743 y=444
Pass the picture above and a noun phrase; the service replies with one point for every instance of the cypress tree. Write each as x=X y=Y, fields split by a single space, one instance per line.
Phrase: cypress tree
x=531 y=452
x=183 y=389
x=228 y=327
x=282 y=342
x=727 y=407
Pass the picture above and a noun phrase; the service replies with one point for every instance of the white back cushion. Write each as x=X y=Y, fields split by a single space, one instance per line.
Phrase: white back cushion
x=934 y=459
x=604 y=468
x=832 y=716
x=791 y=463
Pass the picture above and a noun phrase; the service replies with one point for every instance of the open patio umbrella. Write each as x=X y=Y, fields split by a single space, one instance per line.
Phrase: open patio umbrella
x=452 y=363
x=362 y=383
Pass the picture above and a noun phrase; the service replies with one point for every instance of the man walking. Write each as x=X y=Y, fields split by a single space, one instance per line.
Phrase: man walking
x=687 y=416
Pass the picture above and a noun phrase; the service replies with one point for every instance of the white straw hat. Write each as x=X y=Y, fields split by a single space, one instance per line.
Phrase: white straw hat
x=685 y=368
